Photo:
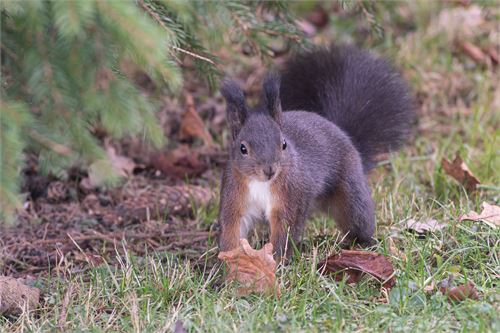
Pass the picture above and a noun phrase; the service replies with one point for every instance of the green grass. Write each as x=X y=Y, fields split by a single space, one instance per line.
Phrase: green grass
x=459 y=113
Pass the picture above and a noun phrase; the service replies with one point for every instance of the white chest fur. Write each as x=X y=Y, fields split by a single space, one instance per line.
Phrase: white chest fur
x=259 y=204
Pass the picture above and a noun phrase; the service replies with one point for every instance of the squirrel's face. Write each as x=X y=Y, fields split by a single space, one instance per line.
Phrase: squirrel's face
x=258 y=148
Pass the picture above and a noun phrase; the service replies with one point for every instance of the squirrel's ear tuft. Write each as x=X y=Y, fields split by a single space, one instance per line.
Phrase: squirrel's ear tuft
x=236 y=106
x=272 y=96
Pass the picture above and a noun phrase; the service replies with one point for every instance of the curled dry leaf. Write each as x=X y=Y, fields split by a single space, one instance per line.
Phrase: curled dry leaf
x=192 y=125
x=490 y=215
x=16 y=296
x=459 y=170
x=425 y=226
x=461 y=293
x=355 y=263
x=253 y=269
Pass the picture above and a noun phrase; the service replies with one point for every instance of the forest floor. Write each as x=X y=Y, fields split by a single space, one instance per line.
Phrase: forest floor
x=143 y=257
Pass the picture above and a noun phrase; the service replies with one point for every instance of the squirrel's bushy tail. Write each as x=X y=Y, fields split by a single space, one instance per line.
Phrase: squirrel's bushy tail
x=360 y=93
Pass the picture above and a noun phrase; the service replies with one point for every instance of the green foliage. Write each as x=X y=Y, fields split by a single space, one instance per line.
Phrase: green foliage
x=68 y=70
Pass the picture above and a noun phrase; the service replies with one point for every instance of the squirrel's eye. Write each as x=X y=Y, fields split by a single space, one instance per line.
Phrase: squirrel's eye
x=284 y=145
x=243 y=149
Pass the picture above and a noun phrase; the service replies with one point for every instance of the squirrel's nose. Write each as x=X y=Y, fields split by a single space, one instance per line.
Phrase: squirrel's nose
x=269 y=171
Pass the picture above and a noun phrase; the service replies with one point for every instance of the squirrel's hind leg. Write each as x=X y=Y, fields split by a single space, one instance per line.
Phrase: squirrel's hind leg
x=353 y=208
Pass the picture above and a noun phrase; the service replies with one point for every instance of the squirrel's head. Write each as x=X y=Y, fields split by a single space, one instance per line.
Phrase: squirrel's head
x=258 y=148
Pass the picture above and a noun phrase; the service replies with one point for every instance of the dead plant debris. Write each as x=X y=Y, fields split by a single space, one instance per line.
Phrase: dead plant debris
x=182 y=162
x=253 y=269
x=15 y=296
x=460 y=172
x=461 y=293
x=490 y=215
x=192 y=125
x=423 y=227
x=144 y=214
x=353 y=264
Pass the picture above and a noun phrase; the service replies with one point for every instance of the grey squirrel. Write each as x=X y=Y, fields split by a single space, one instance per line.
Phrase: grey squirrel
x=343 y=106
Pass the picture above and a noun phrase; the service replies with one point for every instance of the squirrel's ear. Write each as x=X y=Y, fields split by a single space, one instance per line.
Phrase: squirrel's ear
x=272 y=100
x=236 y=106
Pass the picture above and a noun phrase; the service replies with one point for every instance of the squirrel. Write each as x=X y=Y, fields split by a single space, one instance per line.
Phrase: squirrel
x=309 y=144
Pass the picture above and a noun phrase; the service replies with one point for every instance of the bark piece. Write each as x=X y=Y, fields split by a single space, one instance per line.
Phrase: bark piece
x=354 y=263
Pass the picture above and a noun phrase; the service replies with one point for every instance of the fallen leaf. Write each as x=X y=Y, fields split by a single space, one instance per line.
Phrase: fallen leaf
x=459 y=170
x=16 y=296
x=430 y=287
x=124 y=165
x=253 y=269
x=109 y=169
x=180 y=163
x=490 y=215
x=473 y=52
x=394 y=250
x=192 y=125
x=492 y=52
x=461 y=292
x=425 y=226
x=457 y=23
x=355 y=263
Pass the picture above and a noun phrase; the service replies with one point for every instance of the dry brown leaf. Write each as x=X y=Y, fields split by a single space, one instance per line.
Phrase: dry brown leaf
x=490 y=215
x=493 y=53
x=425 y=226
x=473 y=52
x=253 y=269
x=16 y=296
x=355 y=263
x=99 y=171
x=459 y=170
x=180 y=163
x=430 y=287
x=124 y=165
x=192 y=125
x=394 y=250
x=461 y=293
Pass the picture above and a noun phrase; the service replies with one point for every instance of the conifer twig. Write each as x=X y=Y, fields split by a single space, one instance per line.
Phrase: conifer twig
x=158 y=19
